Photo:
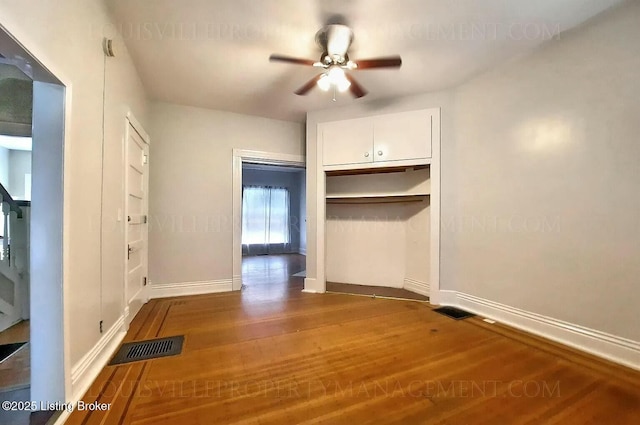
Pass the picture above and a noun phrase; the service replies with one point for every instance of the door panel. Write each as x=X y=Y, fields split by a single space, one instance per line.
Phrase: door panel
x=402 y=136
x=136 y=213
x=347 y=142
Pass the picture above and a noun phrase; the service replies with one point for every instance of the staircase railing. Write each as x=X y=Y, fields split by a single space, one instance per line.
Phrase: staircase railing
x=14 y=260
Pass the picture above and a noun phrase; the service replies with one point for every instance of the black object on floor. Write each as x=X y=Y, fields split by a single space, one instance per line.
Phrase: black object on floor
x=7 y=350
x=147 y=350
x=454 y=313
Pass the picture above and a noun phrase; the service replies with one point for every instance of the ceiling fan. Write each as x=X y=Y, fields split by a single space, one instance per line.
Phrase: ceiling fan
x=335 y=40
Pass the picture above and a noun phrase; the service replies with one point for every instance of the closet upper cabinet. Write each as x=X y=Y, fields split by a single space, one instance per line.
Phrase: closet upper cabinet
x=402 y=136
x=347 y=142
x=380 y=140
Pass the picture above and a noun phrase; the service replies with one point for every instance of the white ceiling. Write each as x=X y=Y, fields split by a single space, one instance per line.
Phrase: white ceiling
x=214 y=53
x=15 y=143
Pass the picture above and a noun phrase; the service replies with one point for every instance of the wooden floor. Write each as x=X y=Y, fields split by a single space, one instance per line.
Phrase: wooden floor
x=374 y=291
x=15 y=375
x=14 y=371
x=271 y=354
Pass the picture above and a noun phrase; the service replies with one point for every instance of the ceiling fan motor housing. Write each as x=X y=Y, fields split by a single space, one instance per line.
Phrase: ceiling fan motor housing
x=335 y=40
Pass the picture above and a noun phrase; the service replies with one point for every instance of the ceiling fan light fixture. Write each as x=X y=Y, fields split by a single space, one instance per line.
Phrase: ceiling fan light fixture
x=344 y=85
x=334 y=77
x=323 y=83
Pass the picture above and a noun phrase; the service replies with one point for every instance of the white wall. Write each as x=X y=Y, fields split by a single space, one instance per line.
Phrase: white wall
x=67 y=35
x=366 y=244
x=289 y=180
x=540 y=177
x=545 y=175
x=19 y=166
x=190 y=194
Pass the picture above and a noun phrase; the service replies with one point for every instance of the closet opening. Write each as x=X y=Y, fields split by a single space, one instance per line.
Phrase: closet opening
x=378 y=232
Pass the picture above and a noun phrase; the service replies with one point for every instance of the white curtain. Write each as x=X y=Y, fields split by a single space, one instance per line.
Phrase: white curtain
x=265 y=220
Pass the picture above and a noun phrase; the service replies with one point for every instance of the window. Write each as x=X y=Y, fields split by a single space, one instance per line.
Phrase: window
x=265 y=216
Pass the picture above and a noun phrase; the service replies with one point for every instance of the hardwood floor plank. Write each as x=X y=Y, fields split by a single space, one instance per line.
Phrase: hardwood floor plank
x=15 y=371
x=270 y=354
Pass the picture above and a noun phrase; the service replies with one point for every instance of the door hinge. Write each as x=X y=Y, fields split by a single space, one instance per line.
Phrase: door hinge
x=129 y=249
x=144 y=281
x=144 y=219
x=101 y=322
x=145 y=159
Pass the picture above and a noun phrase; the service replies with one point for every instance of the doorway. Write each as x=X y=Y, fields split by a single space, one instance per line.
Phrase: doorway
x=269 y=232
x=33 y=230
x=273 y=231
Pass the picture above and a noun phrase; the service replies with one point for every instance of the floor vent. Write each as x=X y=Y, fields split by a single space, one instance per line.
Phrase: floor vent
x=454 y=313
x=147 y=350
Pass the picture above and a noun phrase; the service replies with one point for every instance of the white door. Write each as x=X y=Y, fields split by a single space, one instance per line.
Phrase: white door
x=347 y=142
x=136 y=206
x=406 y=135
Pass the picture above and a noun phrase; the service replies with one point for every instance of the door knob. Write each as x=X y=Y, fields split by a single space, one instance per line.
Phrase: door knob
x=379 y=153
x=366 y=154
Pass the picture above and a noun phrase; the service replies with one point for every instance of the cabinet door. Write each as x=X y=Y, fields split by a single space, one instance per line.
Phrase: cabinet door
x=403 y=136
x=347 y=142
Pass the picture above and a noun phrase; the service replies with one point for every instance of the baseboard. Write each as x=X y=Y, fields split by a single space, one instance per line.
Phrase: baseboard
x=62 y=418
x=311 y=286
x=447 y=298
x=87 y=369
x=7 y=321
x=302 y=251
x=416 y=286
x=165 y=290
x=236 y=283
x=611 y=347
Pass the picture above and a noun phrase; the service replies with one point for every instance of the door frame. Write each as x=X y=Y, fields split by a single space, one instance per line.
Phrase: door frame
x=50 y=360
x=143 y=294
x=241 y=156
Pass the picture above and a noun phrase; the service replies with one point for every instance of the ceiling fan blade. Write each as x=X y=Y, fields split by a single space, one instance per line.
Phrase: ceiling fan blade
x=288 y=59
x=308 y=86
x=355 y=88
x=388 y=62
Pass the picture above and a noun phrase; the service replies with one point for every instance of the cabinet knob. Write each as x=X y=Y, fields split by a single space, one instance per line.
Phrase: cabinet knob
x=366 y=154
x=379 y=153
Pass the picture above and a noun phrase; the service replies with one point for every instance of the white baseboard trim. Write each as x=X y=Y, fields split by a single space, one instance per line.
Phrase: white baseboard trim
x=310 y=286
x=87 y=369
x=127 y=319
x=417 y=286
x=447 y=298
x=236 y=283
x=165 y=290
x=611 y=347
x=302 y=251
x=7 y=321
x=64 y=416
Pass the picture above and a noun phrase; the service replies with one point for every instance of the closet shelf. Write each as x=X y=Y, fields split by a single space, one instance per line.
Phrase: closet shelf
x=381 y=198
